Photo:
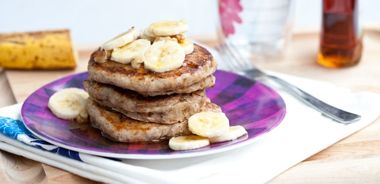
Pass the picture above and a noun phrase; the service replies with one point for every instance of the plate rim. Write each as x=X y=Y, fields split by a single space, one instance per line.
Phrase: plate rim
x=158 y=156
x=155 y=156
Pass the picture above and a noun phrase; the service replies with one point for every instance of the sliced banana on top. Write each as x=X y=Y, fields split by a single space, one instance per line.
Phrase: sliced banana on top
x=101 y=55
x=163 y=56
x=188 y=46
x=188 y=142
x=184 y=42
x=164 y=38
x=68 y=103
x=208 y=124
x=180 y=38
x=127 y=53
x=146 y=34
x=233 y=133
x=168 y=28
x=121 y=39
x=137 y=62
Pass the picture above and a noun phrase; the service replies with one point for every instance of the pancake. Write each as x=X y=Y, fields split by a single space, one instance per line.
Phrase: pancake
x=158 y=109
x=131 y=101
x=195 y=74
x=118 y=127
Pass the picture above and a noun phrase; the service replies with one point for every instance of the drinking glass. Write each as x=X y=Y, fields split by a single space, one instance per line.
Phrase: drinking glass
x=256 y=27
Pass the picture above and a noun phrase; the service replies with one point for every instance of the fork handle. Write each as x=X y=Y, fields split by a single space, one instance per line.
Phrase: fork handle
x=334 y=113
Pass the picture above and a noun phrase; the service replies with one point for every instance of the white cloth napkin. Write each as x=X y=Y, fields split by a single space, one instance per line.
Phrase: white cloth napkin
x=302 y=133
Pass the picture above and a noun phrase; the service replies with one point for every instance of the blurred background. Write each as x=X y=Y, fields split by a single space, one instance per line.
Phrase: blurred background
x=91 y=22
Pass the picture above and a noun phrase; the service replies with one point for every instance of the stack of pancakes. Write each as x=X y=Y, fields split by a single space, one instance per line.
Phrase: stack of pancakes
x=134 y=105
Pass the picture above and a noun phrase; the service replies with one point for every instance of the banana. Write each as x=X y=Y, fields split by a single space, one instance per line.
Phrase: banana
x=68 y=103
x=127 y=53
x=233 y=133
x=188 y=46
x=136 y=63
x=188 y=142
x=82 y=116
x=180 y=38
x=121 y=39
x=185 y=43
x=101 y=55
x=167 y=28
x=163 y=56
x=37 y=50
x=208 y=124
x=146 y=34
x=164 y=38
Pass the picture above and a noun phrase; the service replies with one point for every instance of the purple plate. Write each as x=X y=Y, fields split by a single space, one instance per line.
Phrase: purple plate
x=248 y=103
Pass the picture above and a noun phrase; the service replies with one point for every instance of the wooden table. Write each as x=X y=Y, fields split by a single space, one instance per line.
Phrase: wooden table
x=355 y=159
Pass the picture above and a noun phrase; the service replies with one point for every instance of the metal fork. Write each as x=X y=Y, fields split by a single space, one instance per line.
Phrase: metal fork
x=238 y=63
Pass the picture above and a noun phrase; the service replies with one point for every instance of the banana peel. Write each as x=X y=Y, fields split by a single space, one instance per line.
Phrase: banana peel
x=37 y=50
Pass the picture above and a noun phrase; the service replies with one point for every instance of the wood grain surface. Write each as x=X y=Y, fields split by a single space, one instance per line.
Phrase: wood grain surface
x=355 y=159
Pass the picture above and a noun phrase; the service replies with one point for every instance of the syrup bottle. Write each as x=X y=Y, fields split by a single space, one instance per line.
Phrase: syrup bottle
x=341 y=39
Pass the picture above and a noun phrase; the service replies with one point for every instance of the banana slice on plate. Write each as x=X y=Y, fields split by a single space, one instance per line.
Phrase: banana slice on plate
x=82 y=116
x=188 y=142
x=68 y=103
x=233 y=133
x=167 y=28
x=121 y=39
x=208 y=124
x=133 y=50
x=163 y=56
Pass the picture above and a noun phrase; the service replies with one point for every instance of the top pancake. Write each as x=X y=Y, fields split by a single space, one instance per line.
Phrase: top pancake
x=197 y=66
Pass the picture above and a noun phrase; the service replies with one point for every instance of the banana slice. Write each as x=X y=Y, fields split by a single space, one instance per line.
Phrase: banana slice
x=102 y=55
x=233 y=133
x=165 y=38
x=82 y=116
x=68 y=103
x=163 y=56
x=121 y=39
x=188 y=46
x=146 y=34
x=180 y=38
x=137 y=62
x=184 y=42
x=168 y=28
x=133 y=50
x=188 y=142
x=208 y=124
